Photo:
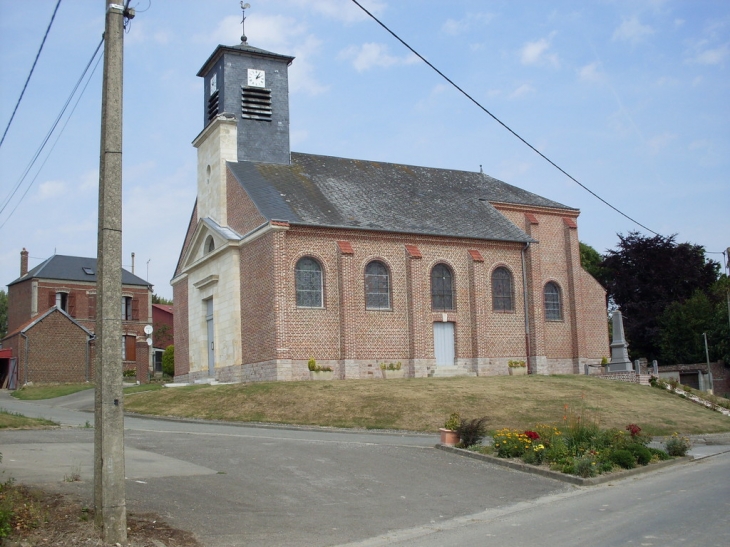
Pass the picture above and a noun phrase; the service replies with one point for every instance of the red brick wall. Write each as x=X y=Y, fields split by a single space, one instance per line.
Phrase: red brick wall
x=180 y=321
x=56 y=352
x=164 y=328
x=243 y=216
x=19 y=304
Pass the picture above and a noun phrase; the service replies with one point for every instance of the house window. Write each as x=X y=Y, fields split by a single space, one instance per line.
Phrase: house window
x=502 y=290
x=377 y=286
x=553 y=302
x=129 y=348
x=308 y=278
x=209 y=245
x=130 y=308
x=442 y=288
x=62 y=301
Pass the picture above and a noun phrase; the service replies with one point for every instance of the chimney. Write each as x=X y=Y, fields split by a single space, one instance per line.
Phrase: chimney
x=23 y=262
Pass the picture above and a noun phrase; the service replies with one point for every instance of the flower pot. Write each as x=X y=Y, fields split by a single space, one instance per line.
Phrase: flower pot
x=449 y=437
x=517 y=371
x=394 y=373
x=320 y=374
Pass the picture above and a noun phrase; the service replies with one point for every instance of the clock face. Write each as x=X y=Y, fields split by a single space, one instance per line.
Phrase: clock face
x=256 y=78
x=214 y=83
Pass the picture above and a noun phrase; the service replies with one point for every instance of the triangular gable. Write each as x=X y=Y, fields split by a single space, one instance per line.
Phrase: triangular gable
x=206 y=230
x=28 y=325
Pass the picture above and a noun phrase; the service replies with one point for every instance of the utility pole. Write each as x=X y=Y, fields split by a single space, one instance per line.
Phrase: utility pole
x=109 y=489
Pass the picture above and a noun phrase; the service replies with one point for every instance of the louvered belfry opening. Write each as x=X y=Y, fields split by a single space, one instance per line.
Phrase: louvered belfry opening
x=213 y=106
x=256 y=103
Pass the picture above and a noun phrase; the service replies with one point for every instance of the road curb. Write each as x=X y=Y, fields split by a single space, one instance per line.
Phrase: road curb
x=571 y=479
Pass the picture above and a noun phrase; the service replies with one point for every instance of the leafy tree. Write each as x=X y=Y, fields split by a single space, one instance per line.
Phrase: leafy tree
x=644 y=275
x=591 y=261
x=168 y=361
x=684 y=323
x=156 y=299
x=3 y=314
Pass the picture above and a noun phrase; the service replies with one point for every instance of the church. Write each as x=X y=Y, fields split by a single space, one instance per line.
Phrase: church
x=290 y=257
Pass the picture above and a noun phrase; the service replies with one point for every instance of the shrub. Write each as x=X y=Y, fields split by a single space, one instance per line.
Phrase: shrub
x=168 y=361
x=659 y=454
x=312 y=364
x=641 y=453
x=677 y=446
x=390 y=366
x=453 y=422
x=623 y=458
x=584 y=466
x=471 y=432
x=129 y=373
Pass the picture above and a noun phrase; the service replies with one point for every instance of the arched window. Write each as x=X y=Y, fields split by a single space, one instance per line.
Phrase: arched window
x=377 y=286
x=502 y=290
x=209 y=245
x=553 y=302
x=308 y=278
x=442 y=288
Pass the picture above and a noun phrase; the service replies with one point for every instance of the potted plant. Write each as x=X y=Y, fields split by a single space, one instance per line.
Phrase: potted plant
x=449 y=436
x=517 y=368
x=317 y=372
x=392 y=370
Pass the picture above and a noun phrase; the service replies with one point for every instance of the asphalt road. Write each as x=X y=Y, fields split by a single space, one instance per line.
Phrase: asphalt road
x=239 y=485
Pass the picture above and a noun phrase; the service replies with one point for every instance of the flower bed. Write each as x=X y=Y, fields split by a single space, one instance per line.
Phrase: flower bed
x=582 y=449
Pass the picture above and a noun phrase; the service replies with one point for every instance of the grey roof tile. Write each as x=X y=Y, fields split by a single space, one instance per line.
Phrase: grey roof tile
x=338 y=192
x=71 y=268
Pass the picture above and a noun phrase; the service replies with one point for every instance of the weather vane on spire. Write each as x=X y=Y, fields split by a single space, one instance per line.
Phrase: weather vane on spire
x=244 y=7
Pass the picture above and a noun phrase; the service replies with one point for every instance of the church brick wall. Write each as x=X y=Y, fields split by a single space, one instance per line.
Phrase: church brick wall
x=243 y=216
x=180 y=321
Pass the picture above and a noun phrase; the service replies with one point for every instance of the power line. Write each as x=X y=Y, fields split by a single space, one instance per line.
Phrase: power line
x=50 y=132
x=31 y=72
x=78 y=99
x=500 y=122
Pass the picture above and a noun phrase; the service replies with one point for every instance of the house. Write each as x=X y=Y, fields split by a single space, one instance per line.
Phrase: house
x=163 y=334
x=52 y=317
x=292 y=256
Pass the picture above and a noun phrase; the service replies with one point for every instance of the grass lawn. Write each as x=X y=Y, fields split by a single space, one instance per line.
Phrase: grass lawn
x=13 y=420
x=49 y=391
x=423 y=404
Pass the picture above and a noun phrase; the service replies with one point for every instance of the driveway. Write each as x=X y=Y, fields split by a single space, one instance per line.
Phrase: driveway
x=236 y=485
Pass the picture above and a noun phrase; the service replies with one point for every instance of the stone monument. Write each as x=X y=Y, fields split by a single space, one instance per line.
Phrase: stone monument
x=619 y=352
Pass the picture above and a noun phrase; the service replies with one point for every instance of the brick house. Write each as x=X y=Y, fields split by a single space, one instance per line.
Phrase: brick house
x=52 y=317
x=163 y=334
x=290 y=256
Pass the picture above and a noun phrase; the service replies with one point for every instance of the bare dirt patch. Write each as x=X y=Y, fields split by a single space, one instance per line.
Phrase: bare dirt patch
x=45 y=518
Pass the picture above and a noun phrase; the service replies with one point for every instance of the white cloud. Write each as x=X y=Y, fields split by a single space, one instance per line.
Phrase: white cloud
x=280 y=34
x=631 y=30
x=524 y=89
x=51 y=189
x=591 y=73
x=455 y=27
x=660 y=142
x=140 y=33
x=371 y=55
x=346 y=12
x=536 y=53
x=711 y=56
x=89 y=181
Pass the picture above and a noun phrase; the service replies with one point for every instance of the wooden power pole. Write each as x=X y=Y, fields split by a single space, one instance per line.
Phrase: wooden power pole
x=109 y=489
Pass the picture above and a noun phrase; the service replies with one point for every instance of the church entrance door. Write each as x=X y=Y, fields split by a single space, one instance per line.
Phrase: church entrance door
x=211 y=337
x=443 y=344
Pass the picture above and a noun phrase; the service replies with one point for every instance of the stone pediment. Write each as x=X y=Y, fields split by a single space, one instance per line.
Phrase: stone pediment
x=208 y=240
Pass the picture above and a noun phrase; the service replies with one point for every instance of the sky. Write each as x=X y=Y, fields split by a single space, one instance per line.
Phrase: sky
x=630 y=97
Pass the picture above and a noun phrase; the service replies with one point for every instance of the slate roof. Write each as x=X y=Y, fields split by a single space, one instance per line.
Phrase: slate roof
x=245 y=48
x=71 y=268
x=345 y=193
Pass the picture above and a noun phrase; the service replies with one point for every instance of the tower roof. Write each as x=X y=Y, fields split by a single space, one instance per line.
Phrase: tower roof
x=239 y=50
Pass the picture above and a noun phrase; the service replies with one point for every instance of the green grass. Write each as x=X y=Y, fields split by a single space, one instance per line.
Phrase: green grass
x=142 y=387
x=423 y=404
x=13 y=420
x=49 y=391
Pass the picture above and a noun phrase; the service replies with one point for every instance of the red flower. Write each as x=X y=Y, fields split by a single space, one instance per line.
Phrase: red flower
x=633 y=429
x=532 y=435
